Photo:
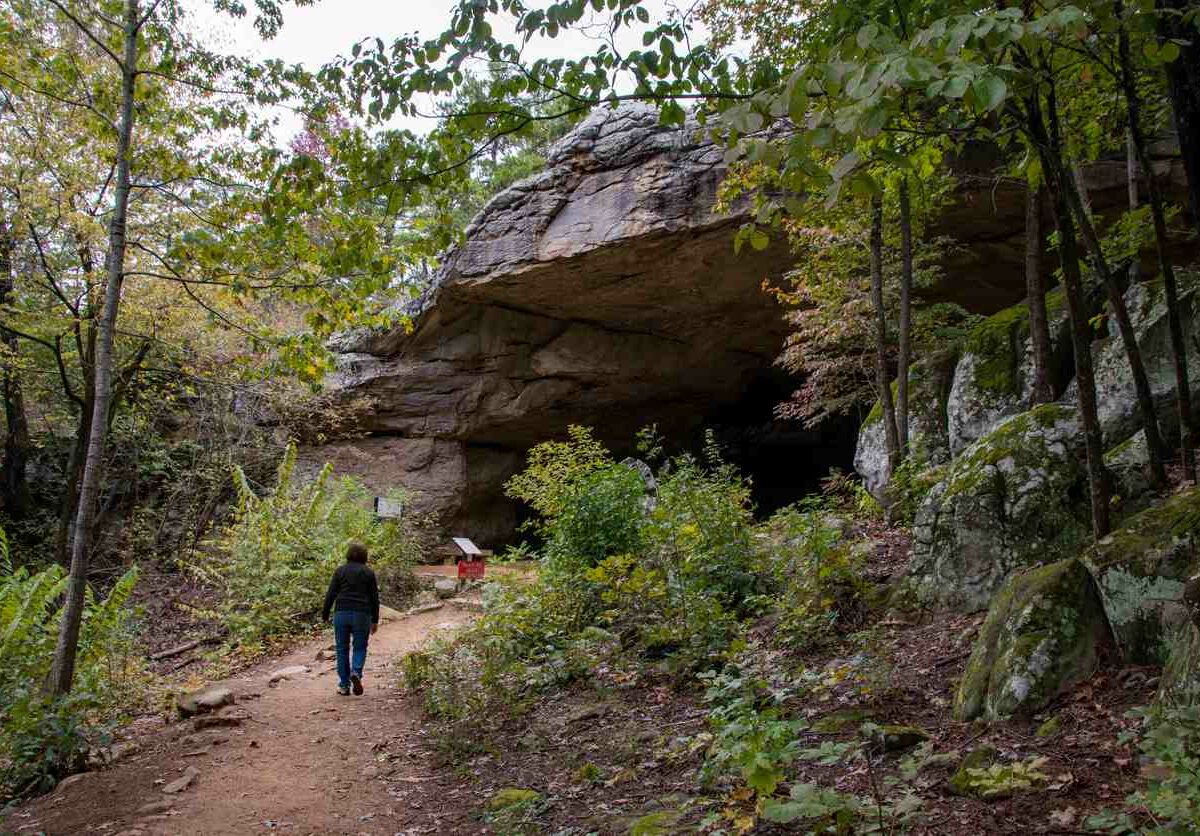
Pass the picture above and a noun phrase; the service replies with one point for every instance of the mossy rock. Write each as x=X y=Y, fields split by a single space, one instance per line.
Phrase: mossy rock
x=511 y=797
x=840 y=721
x=1141 y=569
x=1043 y=633
x=1049 y=728
x=1013 y=499
x=981 y=757
x=994 y=375
x=897 y=738
x=1116 y=400
x=661 y=823
x=929 y=383
x=1180 y=684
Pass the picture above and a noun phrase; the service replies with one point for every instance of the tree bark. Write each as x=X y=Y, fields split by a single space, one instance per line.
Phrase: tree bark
x=1071 y=192
x=1137 y=139
x=1035 y=290
x=63 y=672
x=14 y=487
x=1049 y=149
x=1183 y=87
x=905 y=335
x=883 y=380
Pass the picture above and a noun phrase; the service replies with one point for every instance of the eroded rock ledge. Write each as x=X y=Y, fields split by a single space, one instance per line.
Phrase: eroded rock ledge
x=603 y=291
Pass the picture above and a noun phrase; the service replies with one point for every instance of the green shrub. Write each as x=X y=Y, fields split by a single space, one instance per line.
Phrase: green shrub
x=817 y=574
x=699 y=533
x=1171 y=745
x=42 y=738
x=552 y=467
x=277 y=555
x=601 y=514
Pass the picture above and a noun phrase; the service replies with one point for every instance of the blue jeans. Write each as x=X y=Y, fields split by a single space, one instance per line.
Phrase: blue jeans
x=345 y=625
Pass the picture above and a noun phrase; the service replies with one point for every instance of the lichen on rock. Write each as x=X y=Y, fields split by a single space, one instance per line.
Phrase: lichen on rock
x=929 y=383
x=1011 y=500
x=994 y=375
x=1141 y=569
x=1043 y=633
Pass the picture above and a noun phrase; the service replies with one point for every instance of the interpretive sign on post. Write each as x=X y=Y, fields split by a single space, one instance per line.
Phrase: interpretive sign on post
x=388 y=509
x=471 y=564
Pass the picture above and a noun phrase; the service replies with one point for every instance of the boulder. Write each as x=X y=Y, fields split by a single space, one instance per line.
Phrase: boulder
x=929 y=385
x=204 y=700
x=445 y=587
x=1116 y=399
x=994 y=376
x=1012 y=499
x=1129 y=464
x=1043 y=633
x=1141 y=570
x=1180 y=684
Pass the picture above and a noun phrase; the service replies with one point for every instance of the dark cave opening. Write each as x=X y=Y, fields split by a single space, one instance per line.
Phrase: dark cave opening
x=784 y=461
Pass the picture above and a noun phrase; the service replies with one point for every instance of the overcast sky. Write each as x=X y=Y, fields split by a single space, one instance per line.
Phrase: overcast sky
x=314 y=35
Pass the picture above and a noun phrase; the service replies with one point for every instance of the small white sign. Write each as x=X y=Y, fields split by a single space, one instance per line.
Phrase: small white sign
x=388 y=508
x=467 y=547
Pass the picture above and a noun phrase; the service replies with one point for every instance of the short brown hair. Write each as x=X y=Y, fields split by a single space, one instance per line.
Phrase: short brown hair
x=356 y=553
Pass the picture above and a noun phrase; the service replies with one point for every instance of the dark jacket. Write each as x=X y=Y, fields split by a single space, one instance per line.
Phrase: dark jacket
x=353 y=588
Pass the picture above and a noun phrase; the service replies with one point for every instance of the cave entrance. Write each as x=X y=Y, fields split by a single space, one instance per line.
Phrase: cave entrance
x=784 y=460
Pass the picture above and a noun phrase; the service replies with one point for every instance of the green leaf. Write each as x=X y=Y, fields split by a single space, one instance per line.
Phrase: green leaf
x=989 y=92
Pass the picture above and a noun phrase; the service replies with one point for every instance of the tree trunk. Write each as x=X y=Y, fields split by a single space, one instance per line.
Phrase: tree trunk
x=1081 y=339
x=63 y=672
x=14 y=488
x=1049 y=148
x=1116 y=300
x=1183 y=86
x=883 y=380
x=72 y=474
x=905 y=336
x=1137 y=139
x=1035 y=290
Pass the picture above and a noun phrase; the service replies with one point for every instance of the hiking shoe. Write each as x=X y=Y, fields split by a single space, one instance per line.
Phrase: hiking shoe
x=356 y=681
x=344 y=690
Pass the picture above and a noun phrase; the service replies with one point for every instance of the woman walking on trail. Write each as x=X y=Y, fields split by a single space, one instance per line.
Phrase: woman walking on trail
x=354 y=598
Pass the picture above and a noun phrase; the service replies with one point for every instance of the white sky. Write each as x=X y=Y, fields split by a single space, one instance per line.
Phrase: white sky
x=314 y=35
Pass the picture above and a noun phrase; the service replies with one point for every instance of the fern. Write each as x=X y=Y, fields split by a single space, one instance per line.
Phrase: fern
x=41 y=739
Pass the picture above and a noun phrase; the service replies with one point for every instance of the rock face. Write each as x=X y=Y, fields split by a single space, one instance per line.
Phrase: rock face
x=1043 y=633
x=1006 y=503
x=1142 y=569
x=994 y=376
x=1116 y=399
x=604 y=291
x=929 y=388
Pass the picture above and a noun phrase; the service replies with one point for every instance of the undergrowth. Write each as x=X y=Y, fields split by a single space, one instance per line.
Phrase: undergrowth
x=43 y=738
x=670 y=584
x=275 y=558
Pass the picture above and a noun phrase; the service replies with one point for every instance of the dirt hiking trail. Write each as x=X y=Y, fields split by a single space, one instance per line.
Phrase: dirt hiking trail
x=292 y=757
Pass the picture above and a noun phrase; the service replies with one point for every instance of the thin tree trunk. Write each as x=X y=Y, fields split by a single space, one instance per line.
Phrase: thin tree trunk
x=905 y=336
x=1131 y=186
x=14 y=488
x=1049 y=147
x=1183 y=86
x=73 y=473
x=883 y=380
x=1120 y=313
x=1035 y=290
x=1183 y=399
x=63 y=671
